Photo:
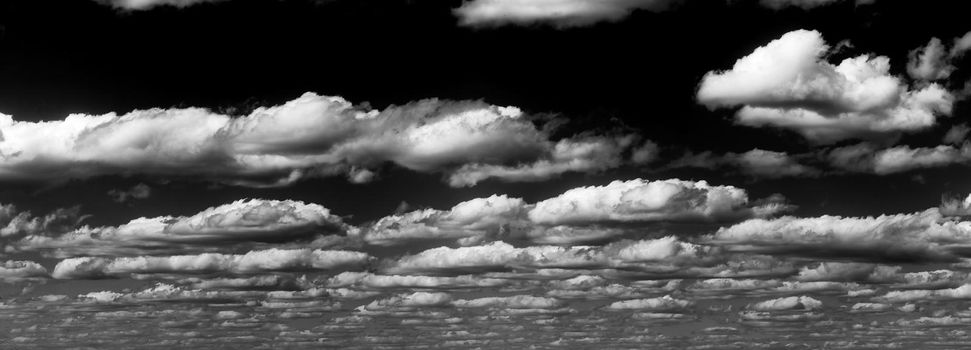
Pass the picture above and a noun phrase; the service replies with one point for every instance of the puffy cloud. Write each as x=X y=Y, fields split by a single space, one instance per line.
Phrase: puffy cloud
x=934 y=61
x=11 y=270
x=254 y=220
x=788 y=303
x=311 y=135
x=665 y=303
x=898 y=296
x=251 y=262
x=639 y=201
x=563 y=13
x=662 y=255
x=408 y=301
x=16 y=223
x=851 y=272
x=918 y=236
x=788 y=84
x=510 y=302
x=148 y=4
x=474 y=220
x=577 y=215
x=585 y=154
x=139 y=191
x=955 y=206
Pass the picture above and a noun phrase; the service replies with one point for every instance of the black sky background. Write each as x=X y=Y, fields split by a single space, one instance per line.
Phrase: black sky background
x=61 y=57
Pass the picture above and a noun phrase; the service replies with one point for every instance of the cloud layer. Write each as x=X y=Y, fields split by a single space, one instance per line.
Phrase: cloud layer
x=309 y=136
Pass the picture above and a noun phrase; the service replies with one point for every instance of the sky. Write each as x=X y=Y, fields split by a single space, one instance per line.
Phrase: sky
x=487 y=173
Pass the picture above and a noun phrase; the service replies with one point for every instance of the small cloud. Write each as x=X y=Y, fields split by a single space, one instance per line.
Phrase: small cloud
x=139 y=191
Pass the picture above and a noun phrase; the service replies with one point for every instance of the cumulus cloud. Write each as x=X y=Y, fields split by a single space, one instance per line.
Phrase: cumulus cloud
x=254 y=220
x=252 y=262
x=563 y=13
x=920 y=236
x=474 y=220
x=578 y=215
x=17 y=223
x=148 y=4
x=312 y=135
x=409 y=301
x=510 y=302
x=934 y=60
x=639 y=201
x=660 y=255
x=788 y=303
x=665 y=303
x=11 y=270
x=867 y=158
x=788 y=84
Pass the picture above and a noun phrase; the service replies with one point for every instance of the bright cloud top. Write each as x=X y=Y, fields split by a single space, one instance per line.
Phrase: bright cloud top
x=579 y=214
x=312 y=135
x=240 y=221
x=788 y=84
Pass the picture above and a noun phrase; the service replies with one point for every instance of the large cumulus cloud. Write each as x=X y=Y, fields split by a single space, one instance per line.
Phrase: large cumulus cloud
x=789 y=84
x=312 y=135
x=580 y=214
x=921 y=236
x=254 y=220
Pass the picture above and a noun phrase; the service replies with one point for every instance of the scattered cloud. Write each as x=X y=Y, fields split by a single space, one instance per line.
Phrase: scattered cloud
x=789 y=84
x=139 y=191
x=135 y=5
x=561 y=13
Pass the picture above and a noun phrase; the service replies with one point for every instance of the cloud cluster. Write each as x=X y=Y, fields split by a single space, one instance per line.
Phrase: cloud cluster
x=580 y=214
x=921 y=236
x=135 y=5
x=867 y=158
x=935 y=61
x=241 y=221
x=756 y=162
x=11 y=270
x=563 y=13
x=252 y=262
x=312 y=135
x=789 y=84
x=806 y=4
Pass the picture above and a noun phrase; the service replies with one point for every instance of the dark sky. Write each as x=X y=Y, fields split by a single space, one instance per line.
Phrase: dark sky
x=61 y=57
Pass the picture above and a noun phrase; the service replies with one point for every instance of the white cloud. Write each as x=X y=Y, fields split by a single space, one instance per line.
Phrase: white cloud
x=639 y=201
x=866 y=158
x=11 y=270
x=563 y=13
x=475 y=219
x=787 y=83
x=788 y=303
x=510 y=302
x=251 y=262
x=311 y=135
x=850 y=272
x=665 y=303
x=148 y=4
x=924 y=235
x=578 y=215
x=582 y=154
x=409 y=301
x=254 y=220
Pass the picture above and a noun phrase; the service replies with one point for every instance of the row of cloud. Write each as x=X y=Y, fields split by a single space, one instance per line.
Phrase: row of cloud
x=581 y=214
x=312 y=135
x=562 y=13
